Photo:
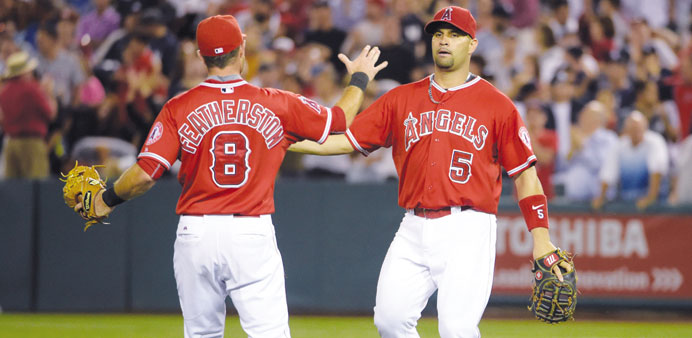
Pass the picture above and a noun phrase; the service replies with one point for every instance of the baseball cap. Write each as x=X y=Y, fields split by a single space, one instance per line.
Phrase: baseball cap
x=456 y=16
x=219 y=34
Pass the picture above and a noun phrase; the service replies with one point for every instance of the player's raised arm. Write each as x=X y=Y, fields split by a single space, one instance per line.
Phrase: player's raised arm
x=362 y=70
x=334 y=145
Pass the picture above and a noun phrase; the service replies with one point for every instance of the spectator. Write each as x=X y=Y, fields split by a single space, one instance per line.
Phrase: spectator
x=544 y=144
x=327 y=92
x=611 y=10
x=348 y=13
x=561 y=23
x=682 y=93
x=638 y=163
x=94 y=26
x=551 y=56
x=369 y=31
x=562 y=112
x=401 y=59
x=591 y=144
x=617 y=80
x=411 y=27
x=663 y=119
x=63 y=67
x=321 y=30
x=164 y=45
x=263 y=16
x=681 y=187
x=26 y=110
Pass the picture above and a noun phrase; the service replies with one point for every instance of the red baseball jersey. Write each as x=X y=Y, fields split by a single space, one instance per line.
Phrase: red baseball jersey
x=231 y=138
x=446 y=154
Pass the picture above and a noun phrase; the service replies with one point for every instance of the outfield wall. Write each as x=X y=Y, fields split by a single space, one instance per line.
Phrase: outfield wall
x=332 y=236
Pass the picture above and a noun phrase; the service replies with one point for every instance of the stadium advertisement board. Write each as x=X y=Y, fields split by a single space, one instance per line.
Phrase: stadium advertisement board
x=632 y=256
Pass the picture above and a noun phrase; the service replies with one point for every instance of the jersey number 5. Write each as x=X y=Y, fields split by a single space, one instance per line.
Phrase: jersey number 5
x=460 y=168
x=230 y=151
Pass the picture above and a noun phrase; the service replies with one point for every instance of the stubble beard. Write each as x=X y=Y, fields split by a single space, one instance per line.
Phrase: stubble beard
x=445 y=64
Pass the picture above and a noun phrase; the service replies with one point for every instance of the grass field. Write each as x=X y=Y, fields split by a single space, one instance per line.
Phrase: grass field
x=152 y=326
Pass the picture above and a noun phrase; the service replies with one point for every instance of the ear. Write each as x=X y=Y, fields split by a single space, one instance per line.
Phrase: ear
x=473 y=45
x=199 y=56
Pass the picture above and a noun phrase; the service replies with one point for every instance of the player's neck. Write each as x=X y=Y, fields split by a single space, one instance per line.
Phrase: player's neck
x=450 y=79
x=223 y=72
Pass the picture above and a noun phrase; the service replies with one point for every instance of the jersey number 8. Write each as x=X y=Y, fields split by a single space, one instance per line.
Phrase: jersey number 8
x=230 y=151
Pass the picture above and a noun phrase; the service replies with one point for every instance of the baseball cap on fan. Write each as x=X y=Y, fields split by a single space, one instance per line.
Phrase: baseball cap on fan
x=456 y=16
x=219 y=34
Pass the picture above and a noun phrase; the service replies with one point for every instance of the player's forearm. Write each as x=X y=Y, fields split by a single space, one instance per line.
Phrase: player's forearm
x=654 y=186
x=350 y=102
x=133 y=182
x=334 y=145
x=528 y=184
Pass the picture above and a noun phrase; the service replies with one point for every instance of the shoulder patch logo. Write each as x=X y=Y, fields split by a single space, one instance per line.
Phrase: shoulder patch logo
x=312 y=104
x=155 y=133
x=524 y=136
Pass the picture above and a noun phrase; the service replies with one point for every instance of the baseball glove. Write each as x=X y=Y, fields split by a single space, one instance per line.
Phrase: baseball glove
x=84 y=181
x=553 y=301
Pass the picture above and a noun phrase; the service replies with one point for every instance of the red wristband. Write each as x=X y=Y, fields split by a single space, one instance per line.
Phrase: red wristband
x=535 y=211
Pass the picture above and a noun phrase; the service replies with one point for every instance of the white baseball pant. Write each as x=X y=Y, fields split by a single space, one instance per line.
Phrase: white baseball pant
x=455 y=255
x=224 y=255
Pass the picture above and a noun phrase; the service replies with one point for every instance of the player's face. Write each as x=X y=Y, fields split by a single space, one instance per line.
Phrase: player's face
x=452 y=48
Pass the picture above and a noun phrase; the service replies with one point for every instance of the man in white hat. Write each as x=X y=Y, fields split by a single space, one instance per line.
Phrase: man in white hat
x=25 y=112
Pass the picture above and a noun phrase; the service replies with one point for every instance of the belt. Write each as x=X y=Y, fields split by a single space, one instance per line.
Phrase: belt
x=437 y=213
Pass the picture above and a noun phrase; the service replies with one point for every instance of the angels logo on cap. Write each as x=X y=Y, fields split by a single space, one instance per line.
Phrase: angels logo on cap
x=456 y=16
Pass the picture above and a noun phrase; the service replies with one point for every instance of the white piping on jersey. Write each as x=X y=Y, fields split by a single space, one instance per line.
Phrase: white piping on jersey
x=355 y=143
x=522 y=166
x=327 y=128
x=223 y=85
x=461 y=86
x=157 y=157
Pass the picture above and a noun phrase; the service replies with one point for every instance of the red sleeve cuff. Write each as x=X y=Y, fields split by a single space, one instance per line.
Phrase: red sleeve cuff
x=338 y=120
x=151 y=167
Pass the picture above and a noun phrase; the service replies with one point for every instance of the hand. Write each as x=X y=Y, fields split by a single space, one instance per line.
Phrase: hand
x=365 y=62
x=100 y=208
x=543 y=246
x=597 y=203
x=645 y=202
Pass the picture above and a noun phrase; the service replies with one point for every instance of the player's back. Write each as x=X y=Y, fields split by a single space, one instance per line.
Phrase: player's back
x=231 y=138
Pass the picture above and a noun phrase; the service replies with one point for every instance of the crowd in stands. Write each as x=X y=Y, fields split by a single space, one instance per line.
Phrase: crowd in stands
x=604 y=86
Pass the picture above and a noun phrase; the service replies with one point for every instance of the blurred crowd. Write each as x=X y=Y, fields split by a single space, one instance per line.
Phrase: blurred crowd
x=604 y=86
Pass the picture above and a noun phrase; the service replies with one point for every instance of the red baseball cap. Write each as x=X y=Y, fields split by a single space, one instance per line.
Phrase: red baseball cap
x=456 y=16
x=219 y=34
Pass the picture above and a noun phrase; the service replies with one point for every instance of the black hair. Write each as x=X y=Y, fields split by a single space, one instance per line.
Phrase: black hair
x=50 y=29
x=220 y=61
x=608 y=26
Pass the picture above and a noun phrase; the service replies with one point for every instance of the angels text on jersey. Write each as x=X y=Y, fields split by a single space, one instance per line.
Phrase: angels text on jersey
x=226 y=112
x=445 y=121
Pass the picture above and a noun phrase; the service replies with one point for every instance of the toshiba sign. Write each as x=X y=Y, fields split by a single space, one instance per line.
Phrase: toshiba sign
x=619 y=256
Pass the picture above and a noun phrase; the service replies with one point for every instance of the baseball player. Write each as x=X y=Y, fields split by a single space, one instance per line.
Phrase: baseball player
x=450 y=133
x=231 y=137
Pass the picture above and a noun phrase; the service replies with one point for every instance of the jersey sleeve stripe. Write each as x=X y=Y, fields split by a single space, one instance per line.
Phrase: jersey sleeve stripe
x=327 y=127
x=158 y=158
x=355 y=144
x=523 y=166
